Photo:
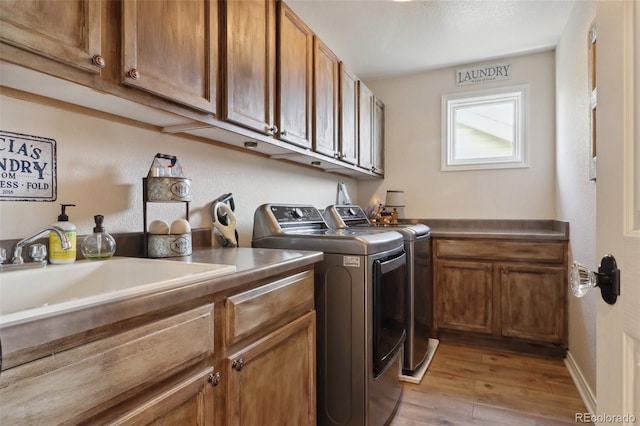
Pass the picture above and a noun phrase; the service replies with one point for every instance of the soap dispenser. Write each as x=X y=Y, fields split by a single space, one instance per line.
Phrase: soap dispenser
x=58 y=255
x=99 y=245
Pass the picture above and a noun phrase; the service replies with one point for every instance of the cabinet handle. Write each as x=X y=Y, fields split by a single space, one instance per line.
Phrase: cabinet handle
x=343 y=156
x=238 y=364
x=215 y=378
x=98 y=61
x=336 y=154
x=271 y=129
x=283 y=133
x=134 y=74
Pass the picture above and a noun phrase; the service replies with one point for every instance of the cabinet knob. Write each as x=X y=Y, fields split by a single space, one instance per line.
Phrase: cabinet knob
x=271 y=129
x=238 y=364
x=98 y=61
x=336 y=154
x=283 y=133
x=215 y=378
x=134 y=74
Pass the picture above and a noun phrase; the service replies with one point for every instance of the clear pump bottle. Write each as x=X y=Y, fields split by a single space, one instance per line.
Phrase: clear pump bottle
x=99 y=245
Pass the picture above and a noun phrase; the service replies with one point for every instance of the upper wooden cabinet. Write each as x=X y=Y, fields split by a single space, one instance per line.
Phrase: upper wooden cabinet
x=179 y=62
x=209 y=68
x=370 y=130
x=69 y=33
x=325 y=85
x=295 y=96
x=378 y=136
x=250 y=64
x=348 y=122
x=365 y=126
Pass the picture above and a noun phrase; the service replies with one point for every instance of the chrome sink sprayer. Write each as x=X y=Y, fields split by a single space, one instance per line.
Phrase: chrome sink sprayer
x=17 y=251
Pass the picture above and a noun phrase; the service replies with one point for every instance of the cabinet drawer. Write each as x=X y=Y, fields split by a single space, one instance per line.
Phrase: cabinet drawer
x=274 y=303
x=500 y=250
x=63 y=386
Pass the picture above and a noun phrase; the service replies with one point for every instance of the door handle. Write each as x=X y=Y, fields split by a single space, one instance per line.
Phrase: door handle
x=607 y=278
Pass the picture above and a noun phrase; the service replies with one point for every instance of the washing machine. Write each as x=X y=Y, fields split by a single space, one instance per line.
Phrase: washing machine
x=420 y=343
x=360 y=309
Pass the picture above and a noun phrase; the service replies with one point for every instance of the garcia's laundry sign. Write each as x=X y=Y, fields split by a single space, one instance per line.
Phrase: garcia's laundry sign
x=27 y=167
x=483 y=74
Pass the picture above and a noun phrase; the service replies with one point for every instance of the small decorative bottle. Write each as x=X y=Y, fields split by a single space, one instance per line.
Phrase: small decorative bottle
x=99 y=245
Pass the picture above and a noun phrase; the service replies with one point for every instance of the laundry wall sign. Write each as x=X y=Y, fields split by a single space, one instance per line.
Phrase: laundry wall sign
x=483 y=74
x=27 y=167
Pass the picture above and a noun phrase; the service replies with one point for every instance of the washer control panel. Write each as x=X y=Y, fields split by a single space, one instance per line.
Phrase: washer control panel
x=291 y=214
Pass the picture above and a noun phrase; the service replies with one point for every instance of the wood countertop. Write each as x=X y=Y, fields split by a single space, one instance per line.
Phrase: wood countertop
x=31 y=340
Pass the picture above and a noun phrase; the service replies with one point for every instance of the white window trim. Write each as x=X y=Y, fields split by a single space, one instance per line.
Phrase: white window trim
x=520 y=159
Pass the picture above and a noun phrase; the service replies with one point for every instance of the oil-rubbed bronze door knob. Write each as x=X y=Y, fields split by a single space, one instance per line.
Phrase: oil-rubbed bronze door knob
x=215 y=378
x=134 y=73
x=98 y=61
x=238 y=364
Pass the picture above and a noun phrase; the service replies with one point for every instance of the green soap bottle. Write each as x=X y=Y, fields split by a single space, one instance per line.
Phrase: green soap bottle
x=56 y=254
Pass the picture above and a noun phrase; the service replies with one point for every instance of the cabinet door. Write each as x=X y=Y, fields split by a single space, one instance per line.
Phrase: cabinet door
x=348 y=115
x=463 y=296
x=365 y=126
x=189 y=402
x=533 y=302
x=96 y=375
x=170 y=49
x=68 y=32
x=295 y=76
x=272 y=381
x=250 y=64
x=325 y=82
x=378 y=136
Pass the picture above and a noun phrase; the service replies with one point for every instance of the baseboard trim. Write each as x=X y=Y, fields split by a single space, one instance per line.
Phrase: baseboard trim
x=584 y=390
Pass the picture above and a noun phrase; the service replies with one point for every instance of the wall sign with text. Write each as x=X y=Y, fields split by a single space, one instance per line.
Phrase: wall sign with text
x=483 y=74
x=27 y=168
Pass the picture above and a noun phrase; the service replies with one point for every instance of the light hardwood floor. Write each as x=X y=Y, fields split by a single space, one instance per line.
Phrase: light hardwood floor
x=475 y=386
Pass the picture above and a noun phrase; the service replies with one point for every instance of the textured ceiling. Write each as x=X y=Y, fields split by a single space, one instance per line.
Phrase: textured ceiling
x=383 y=38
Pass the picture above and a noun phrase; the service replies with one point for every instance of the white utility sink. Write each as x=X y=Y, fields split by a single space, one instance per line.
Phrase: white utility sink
x=35 y=293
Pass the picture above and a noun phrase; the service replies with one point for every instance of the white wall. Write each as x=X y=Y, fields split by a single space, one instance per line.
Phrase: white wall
x=101 y=163
x=413 y=141
x=576 y=197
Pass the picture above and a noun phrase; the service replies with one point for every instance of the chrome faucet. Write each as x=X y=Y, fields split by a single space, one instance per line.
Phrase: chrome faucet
x=17 y=251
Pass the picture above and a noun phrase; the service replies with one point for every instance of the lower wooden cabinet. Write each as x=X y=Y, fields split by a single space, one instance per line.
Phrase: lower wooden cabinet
x=189 y=402
x=163 y=370
x=509 y=294
x=272 y=381
x=270 y=361
x=532 y=302
x=76 y=385
x=464 y=296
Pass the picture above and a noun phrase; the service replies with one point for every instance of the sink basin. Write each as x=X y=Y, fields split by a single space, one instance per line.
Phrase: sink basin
x=35 y=293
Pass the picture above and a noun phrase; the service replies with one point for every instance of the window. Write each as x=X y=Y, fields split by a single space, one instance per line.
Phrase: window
x=485 y=130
